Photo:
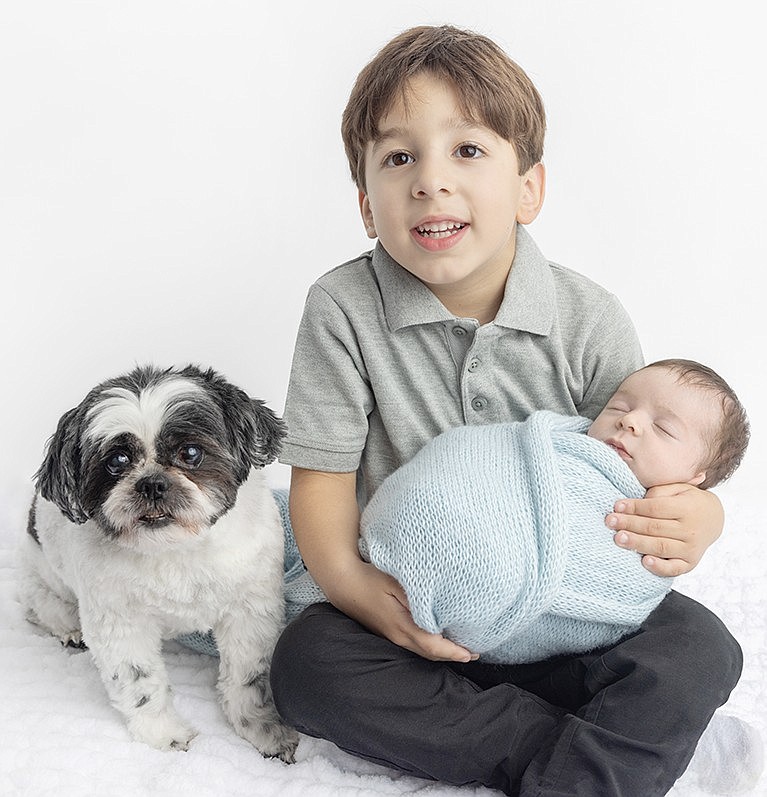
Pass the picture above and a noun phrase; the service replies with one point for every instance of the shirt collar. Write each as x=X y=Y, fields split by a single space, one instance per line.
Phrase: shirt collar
x=528 y=302
x=407 y=301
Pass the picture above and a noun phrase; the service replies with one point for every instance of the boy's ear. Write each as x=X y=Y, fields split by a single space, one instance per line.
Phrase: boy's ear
x=367 y=215
x=533 y=192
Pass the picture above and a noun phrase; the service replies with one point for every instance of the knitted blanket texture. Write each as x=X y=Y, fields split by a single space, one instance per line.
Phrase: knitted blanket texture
x=497 y=535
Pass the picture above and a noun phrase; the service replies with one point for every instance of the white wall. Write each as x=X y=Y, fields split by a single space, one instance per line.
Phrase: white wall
x=172 y=179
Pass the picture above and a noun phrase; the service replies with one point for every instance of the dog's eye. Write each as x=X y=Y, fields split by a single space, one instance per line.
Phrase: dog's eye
x=191 y=456
x=117 y=463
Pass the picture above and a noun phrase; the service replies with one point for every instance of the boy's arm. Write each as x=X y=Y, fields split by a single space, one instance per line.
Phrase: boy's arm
x=325 y=519
x=672 y=526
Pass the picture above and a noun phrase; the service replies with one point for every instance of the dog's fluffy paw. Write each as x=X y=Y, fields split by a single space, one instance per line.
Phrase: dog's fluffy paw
x=62 y=626
x=73 y=640
x=272 y=739
x=165 y=732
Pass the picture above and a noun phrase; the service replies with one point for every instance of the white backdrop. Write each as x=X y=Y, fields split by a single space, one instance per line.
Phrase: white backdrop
x=172 y=180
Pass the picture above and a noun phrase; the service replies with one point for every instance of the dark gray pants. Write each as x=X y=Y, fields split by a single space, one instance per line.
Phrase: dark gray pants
x=621 y=722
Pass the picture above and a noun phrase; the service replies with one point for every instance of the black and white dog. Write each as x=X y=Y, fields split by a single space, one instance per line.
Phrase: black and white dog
x=152 y=519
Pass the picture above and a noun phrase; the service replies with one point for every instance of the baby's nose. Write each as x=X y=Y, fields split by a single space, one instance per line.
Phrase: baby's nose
x=630 y=422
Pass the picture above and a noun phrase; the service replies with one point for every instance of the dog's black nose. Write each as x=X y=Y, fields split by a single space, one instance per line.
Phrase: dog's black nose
x=153 y=487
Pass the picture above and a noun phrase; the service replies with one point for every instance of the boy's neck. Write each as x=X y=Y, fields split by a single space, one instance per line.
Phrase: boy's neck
x=478 y=300
x=484 y=310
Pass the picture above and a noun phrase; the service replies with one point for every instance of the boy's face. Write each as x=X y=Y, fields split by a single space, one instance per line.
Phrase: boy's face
x=444 y=194
x=658 y=426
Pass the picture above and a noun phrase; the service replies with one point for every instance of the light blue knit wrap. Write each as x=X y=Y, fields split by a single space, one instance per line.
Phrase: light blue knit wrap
x=497 y=535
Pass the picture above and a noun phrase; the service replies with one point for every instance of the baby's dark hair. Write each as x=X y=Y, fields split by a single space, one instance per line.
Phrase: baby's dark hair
x=729 y=438
x=492 y=90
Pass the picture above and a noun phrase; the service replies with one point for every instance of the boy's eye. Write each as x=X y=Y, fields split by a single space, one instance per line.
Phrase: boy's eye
x=398 y=159
x=468 y=151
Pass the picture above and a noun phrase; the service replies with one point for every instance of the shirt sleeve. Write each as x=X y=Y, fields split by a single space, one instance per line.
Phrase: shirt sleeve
x=612 y=351
x=329 y=396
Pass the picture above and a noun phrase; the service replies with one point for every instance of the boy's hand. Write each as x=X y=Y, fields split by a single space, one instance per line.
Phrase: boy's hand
x=672 y=526
x=380 y=604
x=326 y=521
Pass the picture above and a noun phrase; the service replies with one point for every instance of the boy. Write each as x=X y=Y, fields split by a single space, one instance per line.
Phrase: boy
x=496 y=532
x=456 y=318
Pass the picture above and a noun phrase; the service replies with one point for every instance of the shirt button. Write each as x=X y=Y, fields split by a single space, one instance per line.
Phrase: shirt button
x=473 y=365
x=479 y=403
x=459 y=332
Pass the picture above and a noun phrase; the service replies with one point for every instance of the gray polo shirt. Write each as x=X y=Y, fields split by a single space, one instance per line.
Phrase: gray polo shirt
x=381 y=366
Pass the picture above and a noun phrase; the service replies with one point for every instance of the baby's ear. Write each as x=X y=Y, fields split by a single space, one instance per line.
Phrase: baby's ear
x=699 y=478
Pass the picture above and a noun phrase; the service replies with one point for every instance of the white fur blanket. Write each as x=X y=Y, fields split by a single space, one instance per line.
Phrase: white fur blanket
x=60 y=737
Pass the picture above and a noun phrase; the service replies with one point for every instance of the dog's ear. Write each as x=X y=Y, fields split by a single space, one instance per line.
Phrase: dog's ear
x=255 y=431
x=58 y=478
x=270 y=431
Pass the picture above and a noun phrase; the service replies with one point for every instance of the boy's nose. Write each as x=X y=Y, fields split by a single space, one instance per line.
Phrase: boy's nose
x=431 y=178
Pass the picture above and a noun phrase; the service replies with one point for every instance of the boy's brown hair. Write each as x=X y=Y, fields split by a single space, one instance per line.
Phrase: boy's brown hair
x=729 y=438
x=492 y=90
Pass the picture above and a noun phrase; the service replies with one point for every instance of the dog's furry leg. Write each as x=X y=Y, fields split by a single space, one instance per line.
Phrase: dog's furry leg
x=245 y=643
x=133 y=672
x=46 y=600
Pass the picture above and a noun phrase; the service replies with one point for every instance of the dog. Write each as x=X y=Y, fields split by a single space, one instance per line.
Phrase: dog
x=151 y=518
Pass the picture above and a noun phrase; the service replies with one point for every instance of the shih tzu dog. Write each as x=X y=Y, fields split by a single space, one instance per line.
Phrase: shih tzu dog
x=152 y=519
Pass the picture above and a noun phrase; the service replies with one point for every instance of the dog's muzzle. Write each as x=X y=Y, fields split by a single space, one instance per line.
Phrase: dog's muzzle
x=154 y=489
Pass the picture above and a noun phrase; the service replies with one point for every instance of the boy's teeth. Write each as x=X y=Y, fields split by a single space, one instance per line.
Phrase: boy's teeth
x=441 y=228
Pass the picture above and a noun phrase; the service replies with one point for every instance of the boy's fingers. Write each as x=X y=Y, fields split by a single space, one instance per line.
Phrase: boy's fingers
x=661 y=547
x=640 y=525
x=437 y=648
x=661 y=555
x=448 y=652
x=412 y=637
x=664 y=502
x=669 y=568
x=648 y=508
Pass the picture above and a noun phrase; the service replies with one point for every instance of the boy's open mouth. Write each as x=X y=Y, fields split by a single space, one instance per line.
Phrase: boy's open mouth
x=443 y=229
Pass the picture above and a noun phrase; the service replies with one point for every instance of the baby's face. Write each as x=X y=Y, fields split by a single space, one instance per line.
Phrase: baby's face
x=658 y=426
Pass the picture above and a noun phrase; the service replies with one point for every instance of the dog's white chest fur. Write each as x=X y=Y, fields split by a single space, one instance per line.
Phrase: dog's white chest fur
x=185 y=585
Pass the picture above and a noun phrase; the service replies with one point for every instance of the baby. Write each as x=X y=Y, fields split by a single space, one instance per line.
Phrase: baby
x=496 y=532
